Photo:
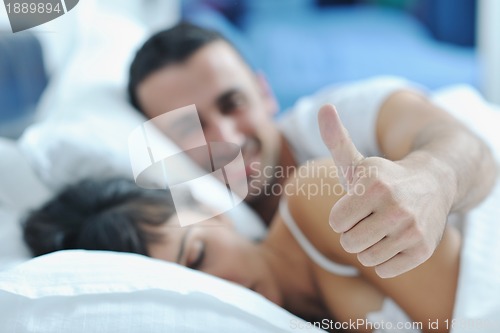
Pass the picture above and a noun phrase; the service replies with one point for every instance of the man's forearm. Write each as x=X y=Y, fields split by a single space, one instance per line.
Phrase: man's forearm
x=462 y=161
x=416 y=132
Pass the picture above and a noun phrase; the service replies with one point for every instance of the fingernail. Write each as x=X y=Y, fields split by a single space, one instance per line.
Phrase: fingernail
x=333 y=227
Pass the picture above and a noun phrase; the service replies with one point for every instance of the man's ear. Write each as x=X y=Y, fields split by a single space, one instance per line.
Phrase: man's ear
x=267 y=93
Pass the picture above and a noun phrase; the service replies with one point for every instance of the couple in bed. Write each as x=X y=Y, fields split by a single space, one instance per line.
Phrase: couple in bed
x=345 y=255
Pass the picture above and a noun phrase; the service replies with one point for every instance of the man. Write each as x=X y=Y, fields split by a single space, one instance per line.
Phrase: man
x=432 y=165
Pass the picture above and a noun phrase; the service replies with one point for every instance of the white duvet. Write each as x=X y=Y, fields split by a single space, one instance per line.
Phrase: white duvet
x=477 y=303
x=477 y=306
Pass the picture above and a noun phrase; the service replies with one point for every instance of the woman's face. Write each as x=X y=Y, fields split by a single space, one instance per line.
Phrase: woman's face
x=214 y=247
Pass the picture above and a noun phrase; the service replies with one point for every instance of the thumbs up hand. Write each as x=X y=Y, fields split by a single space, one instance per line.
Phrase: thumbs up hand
x=335 y=136
x=392 y=216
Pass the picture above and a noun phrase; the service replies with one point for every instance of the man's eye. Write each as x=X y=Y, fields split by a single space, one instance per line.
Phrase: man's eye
x=232 y=105
x=228 y=108
x=197 y=255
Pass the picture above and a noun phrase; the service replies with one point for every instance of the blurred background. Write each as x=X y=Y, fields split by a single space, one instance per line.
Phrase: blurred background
x=300 y=45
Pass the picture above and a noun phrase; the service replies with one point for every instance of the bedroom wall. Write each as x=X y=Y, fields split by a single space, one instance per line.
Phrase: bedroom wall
x=33 y=59
x=330 y=42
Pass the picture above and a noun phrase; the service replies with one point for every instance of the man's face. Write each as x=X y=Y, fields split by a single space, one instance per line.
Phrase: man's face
x=233 y=103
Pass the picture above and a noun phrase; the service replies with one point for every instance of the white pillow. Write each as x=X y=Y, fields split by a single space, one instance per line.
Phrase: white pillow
x=13 y=250
x=20 y=190
x=17 y=178
x=87 y=119
x=94 y=20
x=65 y=151
x=92 y=291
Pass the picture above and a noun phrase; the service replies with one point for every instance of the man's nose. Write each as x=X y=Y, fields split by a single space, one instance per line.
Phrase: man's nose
x=224 y=129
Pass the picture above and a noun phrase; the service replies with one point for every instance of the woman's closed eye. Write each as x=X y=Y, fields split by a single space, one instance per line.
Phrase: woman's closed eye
x=196 y=255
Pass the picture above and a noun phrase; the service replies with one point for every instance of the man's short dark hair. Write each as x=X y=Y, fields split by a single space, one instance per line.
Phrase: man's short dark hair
x=166 y=47
x=112 y=215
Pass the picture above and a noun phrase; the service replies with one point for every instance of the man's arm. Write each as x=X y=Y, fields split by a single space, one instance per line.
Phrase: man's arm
x=395 y=211
x=410 y=124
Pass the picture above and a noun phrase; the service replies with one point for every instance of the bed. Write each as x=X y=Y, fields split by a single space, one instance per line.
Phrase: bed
x=83 y=291
x=99 y=291
x=92 y=291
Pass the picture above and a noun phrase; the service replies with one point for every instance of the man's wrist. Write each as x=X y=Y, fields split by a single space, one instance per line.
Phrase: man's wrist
x=438 y=172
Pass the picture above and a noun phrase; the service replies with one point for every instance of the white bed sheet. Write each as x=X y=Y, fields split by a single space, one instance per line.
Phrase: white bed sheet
x=478 y=294
x=477 y=304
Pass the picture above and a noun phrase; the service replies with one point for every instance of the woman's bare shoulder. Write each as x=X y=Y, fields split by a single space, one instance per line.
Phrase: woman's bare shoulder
x=312 y=192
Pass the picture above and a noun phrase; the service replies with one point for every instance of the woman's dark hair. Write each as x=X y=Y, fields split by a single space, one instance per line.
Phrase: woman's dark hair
x=111 y=215
x=169 y=46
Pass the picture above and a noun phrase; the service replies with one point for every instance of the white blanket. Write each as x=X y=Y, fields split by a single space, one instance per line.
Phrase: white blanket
x=477 y=303
x=478 y=296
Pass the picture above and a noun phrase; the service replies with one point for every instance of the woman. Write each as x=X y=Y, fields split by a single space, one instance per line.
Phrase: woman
x=300 y=266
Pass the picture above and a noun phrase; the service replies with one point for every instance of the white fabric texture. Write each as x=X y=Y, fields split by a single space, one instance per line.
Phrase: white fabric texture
x=13 y=250
x=20 y=190
x=477 y=303
x=100 y=18
x=86 y=99
x=357 y=103
x=93 y=291
x=17 y=179
x=391 y=318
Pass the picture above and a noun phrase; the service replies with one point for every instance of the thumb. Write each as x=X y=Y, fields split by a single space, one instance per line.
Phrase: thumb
x=335 y=136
